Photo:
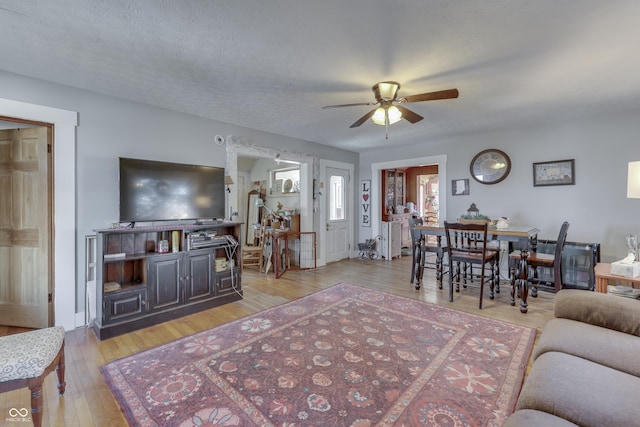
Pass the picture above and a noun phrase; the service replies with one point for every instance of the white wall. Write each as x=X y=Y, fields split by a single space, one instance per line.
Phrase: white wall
x=596 y=206
x=110 y=128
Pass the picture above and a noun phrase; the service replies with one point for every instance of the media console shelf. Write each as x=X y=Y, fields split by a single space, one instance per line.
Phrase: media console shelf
x=148 y=275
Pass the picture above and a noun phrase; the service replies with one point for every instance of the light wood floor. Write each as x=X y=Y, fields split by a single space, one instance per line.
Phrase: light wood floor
x=88 y=401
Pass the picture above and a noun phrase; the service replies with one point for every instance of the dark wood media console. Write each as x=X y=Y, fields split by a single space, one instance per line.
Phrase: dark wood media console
x=148 y=275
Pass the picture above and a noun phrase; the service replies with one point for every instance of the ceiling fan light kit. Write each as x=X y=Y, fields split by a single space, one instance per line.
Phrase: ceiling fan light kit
x=388 y=111
x=384 y=115
x=386 y=90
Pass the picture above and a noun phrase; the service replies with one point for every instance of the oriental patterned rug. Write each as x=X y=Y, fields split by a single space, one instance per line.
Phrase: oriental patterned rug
x=345 y=356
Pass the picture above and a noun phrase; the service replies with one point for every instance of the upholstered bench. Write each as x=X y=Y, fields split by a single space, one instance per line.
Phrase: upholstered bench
x=27 y=358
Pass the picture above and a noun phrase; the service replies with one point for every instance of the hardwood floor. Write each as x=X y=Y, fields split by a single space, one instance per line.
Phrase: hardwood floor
x=88 y=401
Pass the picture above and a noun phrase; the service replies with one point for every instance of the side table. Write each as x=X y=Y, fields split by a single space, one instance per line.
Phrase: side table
x=603 y=275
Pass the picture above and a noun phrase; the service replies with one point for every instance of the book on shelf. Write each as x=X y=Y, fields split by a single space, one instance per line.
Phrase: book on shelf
x=623 y=291
x=111 y=286
x=115 y=256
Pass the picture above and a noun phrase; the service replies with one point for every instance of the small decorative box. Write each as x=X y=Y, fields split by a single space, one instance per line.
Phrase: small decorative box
x=163 y=246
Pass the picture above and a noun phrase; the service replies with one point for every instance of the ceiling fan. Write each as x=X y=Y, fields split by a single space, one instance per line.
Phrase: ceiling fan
x=389 y=108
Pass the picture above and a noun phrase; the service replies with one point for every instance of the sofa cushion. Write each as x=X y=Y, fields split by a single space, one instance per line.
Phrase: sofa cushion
x=581 y=391
x=601 y=345
x=607 y=311
x=533 y=418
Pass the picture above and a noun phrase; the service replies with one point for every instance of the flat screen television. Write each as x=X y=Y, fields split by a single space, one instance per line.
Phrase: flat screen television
x=162 y=191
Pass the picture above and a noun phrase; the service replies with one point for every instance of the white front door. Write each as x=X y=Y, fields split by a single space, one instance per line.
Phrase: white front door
x=338 y=215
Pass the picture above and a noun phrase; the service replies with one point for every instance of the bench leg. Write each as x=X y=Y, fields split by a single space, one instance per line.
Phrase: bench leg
x=60 y=372
x=37 y=401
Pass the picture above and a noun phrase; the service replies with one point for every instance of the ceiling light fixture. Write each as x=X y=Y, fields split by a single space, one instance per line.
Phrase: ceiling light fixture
x=387 y=114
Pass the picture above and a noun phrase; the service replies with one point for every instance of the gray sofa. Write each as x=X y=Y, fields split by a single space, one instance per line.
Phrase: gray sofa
x=586 y=369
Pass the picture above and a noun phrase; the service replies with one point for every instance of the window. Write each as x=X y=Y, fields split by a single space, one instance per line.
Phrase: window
x=336 y=198
x=286 y=180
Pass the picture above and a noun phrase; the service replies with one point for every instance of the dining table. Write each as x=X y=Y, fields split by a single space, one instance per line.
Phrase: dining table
x=523 y=238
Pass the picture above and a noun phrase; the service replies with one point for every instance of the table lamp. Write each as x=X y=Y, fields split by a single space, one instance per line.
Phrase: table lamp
x=633 y=180
x=228 y=181
x=633 y=192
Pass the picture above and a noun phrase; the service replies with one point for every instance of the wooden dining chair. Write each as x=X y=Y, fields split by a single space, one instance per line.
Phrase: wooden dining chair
x=467 y=246
x=252 y=254
x=534 y=260
x=421 y=247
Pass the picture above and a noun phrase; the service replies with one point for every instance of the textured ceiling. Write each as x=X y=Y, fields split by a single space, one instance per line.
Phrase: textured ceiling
x=272 y=65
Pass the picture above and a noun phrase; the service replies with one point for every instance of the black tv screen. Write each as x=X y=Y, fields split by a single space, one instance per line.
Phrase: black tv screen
x=161 y=191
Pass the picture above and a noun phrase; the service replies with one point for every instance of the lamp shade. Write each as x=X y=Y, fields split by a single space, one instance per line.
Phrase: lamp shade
x=394 y=114
x=633 y=180
x=382 y=114
x=379 y=116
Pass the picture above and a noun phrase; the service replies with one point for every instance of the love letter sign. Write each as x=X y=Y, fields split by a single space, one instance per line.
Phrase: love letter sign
x=365 y=203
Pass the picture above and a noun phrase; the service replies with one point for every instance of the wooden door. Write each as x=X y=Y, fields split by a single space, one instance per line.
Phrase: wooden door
x=25 y=228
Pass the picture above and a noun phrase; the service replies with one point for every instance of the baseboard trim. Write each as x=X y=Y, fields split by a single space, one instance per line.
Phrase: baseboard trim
x=81 y=319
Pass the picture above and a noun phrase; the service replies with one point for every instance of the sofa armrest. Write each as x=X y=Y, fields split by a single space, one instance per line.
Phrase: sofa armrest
x=607 y=311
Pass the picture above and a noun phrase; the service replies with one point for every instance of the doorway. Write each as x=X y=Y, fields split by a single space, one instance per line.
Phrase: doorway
x=26 y=250
x=65 y=275
x=338 y=214
x=334 y=199
x=238 y=150
x=429 y=197
x=376 y=172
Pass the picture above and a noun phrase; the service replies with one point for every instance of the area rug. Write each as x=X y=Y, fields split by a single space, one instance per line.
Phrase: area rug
x=345 y=356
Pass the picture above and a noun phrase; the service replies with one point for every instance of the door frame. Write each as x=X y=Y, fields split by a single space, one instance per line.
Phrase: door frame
x=10 y=123
x=64 y=203
x=237 y=149
x=377 y=168
x=321 y=204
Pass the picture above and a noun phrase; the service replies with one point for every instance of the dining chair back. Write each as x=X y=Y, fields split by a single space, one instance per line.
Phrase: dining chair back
x=557 y=264
x=421 y=247
x=467 y=246
x=553 y=261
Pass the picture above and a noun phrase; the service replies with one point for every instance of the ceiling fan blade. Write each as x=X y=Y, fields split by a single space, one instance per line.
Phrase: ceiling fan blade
x=348 y=105
x=431 y=96
x=409 y=115
x=363 y=119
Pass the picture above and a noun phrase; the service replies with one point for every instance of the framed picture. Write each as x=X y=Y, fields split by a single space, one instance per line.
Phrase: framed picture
x=557 y=172
x=278 y=186
x=459 y=187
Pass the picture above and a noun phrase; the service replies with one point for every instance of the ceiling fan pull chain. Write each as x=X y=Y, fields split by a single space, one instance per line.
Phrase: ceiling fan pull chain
x=386 y=123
